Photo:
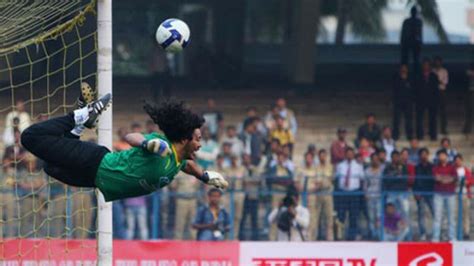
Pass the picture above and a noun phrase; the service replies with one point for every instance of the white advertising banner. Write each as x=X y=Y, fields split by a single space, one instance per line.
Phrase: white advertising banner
x=318 y=254
x=463 y=253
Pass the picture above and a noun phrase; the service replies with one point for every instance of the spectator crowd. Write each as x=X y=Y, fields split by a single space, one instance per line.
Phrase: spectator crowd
x=369 y=188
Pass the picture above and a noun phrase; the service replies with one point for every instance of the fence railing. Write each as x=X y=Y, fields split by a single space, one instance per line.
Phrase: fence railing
x=359 y=213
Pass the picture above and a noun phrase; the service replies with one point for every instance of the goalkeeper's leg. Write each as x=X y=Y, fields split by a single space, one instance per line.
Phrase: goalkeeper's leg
x=68 y=159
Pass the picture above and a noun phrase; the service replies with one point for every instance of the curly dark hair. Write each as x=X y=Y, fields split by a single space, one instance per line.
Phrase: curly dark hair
x=174 y=119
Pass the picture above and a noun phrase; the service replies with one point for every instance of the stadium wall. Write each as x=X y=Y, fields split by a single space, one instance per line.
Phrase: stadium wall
x=366 y=66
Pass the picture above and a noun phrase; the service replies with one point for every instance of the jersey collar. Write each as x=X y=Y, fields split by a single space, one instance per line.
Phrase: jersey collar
x=175 y=155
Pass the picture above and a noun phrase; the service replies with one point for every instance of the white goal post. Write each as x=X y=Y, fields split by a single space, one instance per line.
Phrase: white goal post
x=104 y=76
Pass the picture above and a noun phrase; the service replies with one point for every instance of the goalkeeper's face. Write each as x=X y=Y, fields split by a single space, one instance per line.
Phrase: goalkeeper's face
x=192 y=145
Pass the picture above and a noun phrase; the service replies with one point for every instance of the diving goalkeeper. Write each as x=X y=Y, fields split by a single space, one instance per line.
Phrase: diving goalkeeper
x=151 y=164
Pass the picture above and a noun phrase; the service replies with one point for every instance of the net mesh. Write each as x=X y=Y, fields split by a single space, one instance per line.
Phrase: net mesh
x=47 y=50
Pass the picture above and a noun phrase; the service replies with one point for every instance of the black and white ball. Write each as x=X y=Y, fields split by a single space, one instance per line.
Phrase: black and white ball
x=173 y=35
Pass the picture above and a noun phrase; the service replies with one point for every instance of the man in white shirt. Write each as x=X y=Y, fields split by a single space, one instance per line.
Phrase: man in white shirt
x=443 y=78
x=349 y=174
x=387 y=142
x=232 y=138
x=291 y=218
x=288 y=115
x=207 y=155
x=17 y=119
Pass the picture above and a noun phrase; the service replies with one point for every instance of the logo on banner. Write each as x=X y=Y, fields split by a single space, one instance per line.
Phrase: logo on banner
x=313 y=262
x=430 y=259
x=425 y=254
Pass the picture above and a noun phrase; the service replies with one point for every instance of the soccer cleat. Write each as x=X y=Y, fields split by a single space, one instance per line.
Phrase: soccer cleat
x=87 y=96
x=96 y=108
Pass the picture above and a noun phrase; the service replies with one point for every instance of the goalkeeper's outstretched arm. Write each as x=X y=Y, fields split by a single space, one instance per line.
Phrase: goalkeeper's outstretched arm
x=157 y=146
x=208 y=177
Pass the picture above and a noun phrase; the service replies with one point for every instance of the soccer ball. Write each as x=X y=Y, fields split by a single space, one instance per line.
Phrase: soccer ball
x=173 y=35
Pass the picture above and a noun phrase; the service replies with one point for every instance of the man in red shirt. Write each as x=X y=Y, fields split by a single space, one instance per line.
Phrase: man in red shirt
x=444 y=195
x=464 y=174
x=338 y=147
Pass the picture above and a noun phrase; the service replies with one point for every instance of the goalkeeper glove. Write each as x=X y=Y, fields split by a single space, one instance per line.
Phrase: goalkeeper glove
x=215 y=179
x=156 y=146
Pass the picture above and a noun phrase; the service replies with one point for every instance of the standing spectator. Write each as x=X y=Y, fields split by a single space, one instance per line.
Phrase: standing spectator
x=395 y=183
x=186 y=203
x=226 y=154
x=235 y=175
x=56 y=208
x=270 y=155
x=427 y=99
x=445 y=145
x=252 y=115
x=395 y=228
x=232 y=138
x=411 y=38
x=15 y=167
x=465 y=178
x=269 y=119
x=209 y=150
x=136 y=214
x=284 y=135
x=214 y=119
x=387 y=142
x=312 y=149
x=372 y=189
x=279 y=177
x=323 y=186
x=338 y=147
x=252 y=140
x=31 y=206
x=404 y=158
x=288 y=115
x=469 y=99
x=365 y=150
x=305 y=181
x=252 y=186
x=423 y=190
x=282 y=167
x=413 y=152
x=212 y=222
x=370 y=130
x=82 y=199
x=403 y=94
x=28 y=188
x=382 y=156
x=16 y=119
x=349 y=175
x=443 y=79
x=291 y=218
x=444 y=196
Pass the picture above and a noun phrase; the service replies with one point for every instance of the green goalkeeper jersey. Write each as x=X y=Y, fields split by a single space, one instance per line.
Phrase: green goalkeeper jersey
x=136 y=172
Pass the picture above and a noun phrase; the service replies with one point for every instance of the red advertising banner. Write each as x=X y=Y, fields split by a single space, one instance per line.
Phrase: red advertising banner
x=46 y=252
x=176 y=253
x=43 y=252
x=425 y=254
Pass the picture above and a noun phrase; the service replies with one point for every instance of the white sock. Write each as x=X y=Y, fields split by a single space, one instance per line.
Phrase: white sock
x=78 y=130
x=81 y=116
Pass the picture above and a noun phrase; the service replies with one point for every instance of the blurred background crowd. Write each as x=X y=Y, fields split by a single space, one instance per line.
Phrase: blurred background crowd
x=369 y=187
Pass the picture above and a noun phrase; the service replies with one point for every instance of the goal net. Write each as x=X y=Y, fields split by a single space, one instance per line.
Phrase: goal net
x=47 y=52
